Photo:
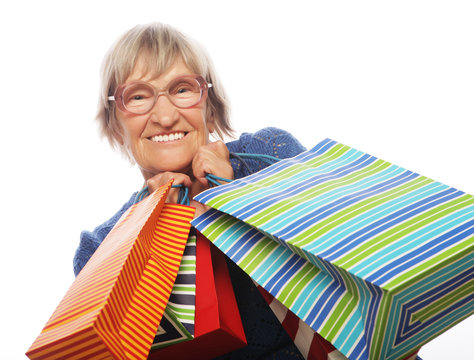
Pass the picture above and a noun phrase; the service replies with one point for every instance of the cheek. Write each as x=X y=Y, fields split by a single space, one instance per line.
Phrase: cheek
x=132 y=129
x=196 y=117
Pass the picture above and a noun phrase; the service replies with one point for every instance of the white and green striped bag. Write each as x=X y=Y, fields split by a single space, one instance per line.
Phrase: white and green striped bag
x=177 y=323
x=375 y=258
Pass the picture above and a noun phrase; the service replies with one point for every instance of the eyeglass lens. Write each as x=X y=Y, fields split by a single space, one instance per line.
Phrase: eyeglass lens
x=139 y=98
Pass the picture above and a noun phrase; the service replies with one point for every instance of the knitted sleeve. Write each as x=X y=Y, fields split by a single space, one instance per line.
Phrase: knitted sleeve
x=268 y=141
x=90 y=240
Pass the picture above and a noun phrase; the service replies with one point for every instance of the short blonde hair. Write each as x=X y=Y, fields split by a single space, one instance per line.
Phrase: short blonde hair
x=162 y=44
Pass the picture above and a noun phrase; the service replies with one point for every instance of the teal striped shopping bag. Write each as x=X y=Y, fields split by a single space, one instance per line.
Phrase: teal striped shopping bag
x=375 y=258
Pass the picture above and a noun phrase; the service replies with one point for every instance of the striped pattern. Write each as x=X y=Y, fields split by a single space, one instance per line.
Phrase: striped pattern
x=375 y=258
x=171 y=331
x=114 y=306
x=179 y=312
x=311 y=345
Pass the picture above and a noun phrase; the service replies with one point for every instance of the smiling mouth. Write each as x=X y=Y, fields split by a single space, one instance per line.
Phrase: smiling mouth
x=168 y=137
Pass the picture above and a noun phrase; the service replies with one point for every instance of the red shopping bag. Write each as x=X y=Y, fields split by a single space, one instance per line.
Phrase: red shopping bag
x=218 y=327
x=114 y=306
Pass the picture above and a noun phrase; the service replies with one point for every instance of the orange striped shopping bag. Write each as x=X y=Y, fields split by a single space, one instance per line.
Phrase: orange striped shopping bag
x=114 y=307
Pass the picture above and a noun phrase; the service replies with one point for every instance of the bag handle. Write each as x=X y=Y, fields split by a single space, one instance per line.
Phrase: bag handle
x=183 y=197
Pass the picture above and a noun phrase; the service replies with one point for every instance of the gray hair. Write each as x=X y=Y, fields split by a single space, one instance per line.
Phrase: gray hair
x=162 y=44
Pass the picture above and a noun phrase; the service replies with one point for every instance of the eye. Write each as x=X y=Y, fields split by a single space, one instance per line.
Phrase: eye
x=184 y=87
x=139 y=97
x=136 y=94
x=182 y=90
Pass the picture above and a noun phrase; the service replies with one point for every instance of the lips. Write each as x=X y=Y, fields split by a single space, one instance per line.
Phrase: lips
x=168 y=137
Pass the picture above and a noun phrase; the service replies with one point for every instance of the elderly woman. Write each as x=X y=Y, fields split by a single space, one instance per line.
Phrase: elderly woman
x=160 y=101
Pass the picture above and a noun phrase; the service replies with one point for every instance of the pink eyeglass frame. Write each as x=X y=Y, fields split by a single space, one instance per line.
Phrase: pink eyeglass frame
x=118 y=95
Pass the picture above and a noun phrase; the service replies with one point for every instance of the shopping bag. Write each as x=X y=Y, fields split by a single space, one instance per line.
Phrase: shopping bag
x=177 y=323
x=310 y=344
x=114 y=306
x=218 y=326
x=375 y=258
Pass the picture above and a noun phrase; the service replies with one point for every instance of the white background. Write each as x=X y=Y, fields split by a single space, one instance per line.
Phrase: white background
x=395 y=79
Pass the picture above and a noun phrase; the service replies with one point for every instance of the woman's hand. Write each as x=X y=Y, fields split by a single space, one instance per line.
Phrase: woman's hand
x=178 y=178
x=212 y=158
x=161 y=179
x=200 y=208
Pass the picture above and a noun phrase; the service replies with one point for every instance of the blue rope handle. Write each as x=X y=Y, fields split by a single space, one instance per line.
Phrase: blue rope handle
x=213 y=179
x=183 y=197
x=143 y=193
x=240 y=156
x=262 y=157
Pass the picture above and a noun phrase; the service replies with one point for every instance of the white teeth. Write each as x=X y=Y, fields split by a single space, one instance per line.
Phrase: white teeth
x=170 y=137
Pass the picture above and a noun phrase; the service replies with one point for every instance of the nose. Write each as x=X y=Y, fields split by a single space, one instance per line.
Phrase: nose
x=164 y=112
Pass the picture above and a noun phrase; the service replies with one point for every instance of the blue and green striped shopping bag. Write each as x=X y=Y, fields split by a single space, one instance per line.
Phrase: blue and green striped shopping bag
x=375 y=258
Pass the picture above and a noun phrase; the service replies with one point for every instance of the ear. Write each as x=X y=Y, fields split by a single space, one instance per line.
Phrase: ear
x=211 y=126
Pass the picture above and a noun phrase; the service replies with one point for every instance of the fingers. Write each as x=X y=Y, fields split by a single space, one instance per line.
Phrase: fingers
x=220 y=148
x=212 y=158
x=200 y=208
x=164 y=178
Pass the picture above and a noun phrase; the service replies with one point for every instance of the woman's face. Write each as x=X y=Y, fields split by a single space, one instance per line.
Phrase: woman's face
x=147 y=136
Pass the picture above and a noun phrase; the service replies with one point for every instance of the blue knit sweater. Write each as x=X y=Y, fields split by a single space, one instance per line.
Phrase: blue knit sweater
x=265 y=336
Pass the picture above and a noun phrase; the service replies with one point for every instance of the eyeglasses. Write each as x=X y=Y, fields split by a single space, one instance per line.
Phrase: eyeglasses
x=139 y=97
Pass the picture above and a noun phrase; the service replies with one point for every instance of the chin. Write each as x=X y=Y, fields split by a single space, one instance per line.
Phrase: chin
x=173 y=167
